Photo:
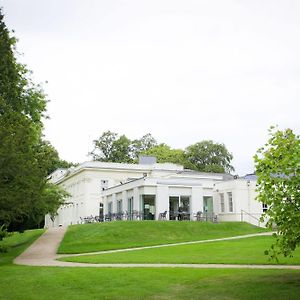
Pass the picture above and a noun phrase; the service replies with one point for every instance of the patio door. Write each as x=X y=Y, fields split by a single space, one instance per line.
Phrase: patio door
x=179 y=206
x=208 y=208
x=148 y=207
x=130 y=208
x=173 y=207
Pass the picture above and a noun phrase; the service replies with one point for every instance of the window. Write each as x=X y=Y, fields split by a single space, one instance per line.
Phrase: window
x=264 y=207
x=104 y=184
x=230 y=202
x=110 y=207
x=222 y=202
x=119 y=206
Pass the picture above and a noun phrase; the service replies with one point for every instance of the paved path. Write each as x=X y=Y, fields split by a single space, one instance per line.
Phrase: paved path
x=43 y=253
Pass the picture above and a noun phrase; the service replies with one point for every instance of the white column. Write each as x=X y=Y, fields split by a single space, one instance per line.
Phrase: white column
x=105 y=205
x=196 y=203
x=136 y=199
x=125 y=201
x=114 y=203
x=162 y=200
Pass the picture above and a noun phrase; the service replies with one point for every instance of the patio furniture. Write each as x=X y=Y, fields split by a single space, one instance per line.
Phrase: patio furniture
x=199 y=216
x=162 y=216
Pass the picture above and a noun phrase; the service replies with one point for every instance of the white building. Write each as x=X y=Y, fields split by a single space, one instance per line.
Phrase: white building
x=114 y=191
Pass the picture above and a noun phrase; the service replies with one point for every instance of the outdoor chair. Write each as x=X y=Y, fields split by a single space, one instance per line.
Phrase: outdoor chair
x=162 y=216
x=215 y=219
x=199 y=216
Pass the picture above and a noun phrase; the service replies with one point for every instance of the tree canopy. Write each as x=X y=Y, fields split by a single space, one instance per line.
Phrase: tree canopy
x=164 y=154
x=24 y=156
x=278 y=170
x=110 y=147
x=205 y=156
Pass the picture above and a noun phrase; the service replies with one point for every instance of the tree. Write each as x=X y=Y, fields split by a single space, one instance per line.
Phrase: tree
x=164 y=154
x=142 y=145
x=112 y=148
x=53 y=161
x=23 y=159
x=278 y=170
x=207 y=156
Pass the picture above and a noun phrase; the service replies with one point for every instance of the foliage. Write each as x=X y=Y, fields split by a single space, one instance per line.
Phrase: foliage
x=205 y=156
x=53 y=161
x=24 y=157
x=142 y=145
x=3 y=234
x=208 y=156
x=110 y=147
x=164 y=154
x=278 y=170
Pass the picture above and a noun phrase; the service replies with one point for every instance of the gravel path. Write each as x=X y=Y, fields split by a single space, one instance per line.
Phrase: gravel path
x=43 y=253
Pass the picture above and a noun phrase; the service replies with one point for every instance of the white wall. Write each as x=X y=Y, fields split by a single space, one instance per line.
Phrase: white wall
x=245 y=206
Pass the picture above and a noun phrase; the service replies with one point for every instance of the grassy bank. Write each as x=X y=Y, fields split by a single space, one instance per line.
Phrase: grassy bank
x=118 y=235
x=43 y=283
x=86 y=283
x=17 y=243
x=242 y=251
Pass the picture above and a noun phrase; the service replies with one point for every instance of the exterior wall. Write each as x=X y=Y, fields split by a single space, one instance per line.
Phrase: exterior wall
x=245 y=207
x=124 y=181
x=84 y=186
x=162 y=190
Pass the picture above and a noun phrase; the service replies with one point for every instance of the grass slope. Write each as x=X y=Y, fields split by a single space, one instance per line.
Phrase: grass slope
x=43 y=283
x=243 y=251
x=39 y=283
x=17 y=243
x=126 y=234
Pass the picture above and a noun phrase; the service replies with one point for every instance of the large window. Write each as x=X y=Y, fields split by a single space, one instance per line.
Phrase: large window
x=230 y=202
x=109 y=207
x=119 y=206
x=179 y=207
x=130 y=208
x=148 y=207
x=222 y=202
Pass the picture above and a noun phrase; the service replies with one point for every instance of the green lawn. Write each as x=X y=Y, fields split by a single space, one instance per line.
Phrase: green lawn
x=24 y=283
x=242 y=251
x=126 y=234
x=43 y=283
x=17 y=243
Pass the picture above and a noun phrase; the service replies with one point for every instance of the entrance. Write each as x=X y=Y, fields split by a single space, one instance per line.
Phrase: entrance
x=148 y=207
x=208 y=209
x=179 y=208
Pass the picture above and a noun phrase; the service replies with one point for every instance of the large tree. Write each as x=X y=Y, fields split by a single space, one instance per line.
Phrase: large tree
x=207 y=156
x=140 y=146
x=23 y=158
x=164 y=154
x=110 y=147
x=278 y=170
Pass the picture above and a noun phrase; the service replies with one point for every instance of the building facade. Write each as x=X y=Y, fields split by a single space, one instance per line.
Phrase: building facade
x=113 y=191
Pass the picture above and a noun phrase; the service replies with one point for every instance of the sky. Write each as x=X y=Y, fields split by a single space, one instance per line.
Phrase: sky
x=184 y=71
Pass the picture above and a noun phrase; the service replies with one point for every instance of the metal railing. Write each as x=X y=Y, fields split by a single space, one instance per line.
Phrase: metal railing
x=250 y=215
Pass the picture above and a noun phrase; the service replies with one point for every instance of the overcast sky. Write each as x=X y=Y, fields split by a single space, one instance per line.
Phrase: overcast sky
x=184 y=70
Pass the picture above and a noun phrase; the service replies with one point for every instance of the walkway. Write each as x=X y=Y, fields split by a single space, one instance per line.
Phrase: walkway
x=43 y=253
